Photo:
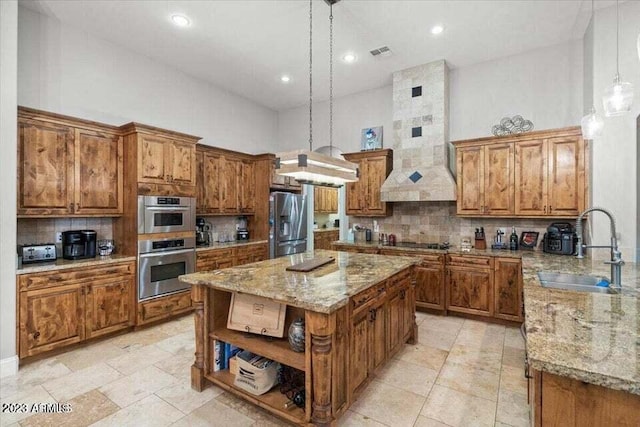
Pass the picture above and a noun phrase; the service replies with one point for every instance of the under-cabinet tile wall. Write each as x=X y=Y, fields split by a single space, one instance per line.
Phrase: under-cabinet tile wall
x=43 y=230
x=424 y=222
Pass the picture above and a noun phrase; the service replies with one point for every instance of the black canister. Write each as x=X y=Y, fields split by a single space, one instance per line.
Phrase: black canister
x=367 y=234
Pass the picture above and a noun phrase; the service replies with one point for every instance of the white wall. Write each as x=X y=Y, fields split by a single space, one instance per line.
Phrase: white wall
x=68 y=71
x=544 y=86
x=8 y=77
x=615 y=165
x=351 y=114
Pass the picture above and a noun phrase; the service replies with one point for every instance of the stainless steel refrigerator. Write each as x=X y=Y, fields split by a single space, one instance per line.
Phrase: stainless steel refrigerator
x=288 y=224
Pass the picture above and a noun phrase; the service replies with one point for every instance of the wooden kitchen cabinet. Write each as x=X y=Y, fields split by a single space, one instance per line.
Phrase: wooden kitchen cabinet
x=325 y=200
x=57 y=309
x=281 y=182
x=507 y=289
x=162 y=160
x=67 y=166
x=533 y=174
x=51 y=318
x=485 y=180
x=554 y=184
x=398 y=315
x=470 y=284
x=430 y=282
x=218 y=258
x=226 y=182
x=323 y=239
x=159 y=161
x=363 y=196
x=562 y=401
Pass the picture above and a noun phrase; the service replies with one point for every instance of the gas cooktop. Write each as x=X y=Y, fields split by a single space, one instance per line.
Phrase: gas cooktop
x=443 y=246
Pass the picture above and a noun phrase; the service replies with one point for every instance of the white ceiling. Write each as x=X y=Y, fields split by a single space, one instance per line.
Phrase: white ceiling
x=245 y=45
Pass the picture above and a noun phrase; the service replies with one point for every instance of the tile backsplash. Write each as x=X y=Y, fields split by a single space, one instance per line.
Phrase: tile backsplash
x=43 y=230
x=426 y=222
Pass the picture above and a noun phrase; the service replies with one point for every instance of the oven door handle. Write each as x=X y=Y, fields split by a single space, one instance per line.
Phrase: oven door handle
x=167 y=208
x=160 y=253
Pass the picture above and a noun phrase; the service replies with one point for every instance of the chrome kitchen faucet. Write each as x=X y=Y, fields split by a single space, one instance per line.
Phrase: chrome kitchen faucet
x=616 y=256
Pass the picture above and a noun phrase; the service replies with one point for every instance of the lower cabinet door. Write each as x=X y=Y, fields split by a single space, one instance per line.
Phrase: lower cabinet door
x=51 y=318
x=508 y=289
x=110 y=306
x=470 y=291
x=430 y=286
x=408 y=310
x=378 y=336
x=396 y=322
x=359 y=350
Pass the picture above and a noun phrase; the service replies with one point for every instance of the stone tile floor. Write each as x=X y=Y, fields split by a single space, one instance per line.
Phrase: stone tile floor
x=461 y=373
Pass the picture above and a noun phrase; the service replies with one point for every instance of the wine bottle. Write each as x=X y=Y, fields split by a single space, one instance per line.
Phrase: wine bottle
x=513 y=240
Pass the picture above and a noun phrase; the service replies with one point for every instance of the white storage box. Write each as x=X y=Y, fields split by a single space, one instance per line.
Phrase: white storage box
x=256 y=374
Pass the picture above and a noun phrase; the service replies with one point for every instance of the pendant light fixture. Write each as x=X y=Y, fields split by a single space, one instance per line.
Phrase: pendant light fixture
x=617 y=98
x=592 y=124
x=309 y=167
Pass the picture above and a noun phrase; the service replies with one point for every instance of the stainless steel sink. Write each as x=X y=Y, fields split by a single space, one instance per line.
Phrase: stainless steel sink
x=574 y=282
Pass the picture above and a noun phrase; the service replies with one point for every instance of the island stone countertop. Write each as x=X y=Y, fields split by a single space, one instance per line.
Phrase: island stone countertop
x=63 y=264
x=322 y=290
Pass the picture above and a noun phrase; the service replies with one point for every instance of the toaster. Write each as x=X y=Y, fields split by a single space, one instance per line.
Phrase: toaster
x=37 y=253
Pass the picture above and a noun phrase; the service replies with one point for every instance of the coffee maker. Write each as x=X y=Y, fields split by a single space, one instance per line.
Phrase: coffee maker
x=203 y=232
x=78 y=244
x=242 y=233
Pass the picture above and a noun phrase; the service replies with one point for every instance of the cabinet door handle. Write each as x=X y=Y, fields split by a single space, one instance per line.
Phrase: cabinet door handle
x=549 y=208
x=403 y=294
x=36 y=334
x=372 y=315
x=70 y=207
x=102 y=307
x=545 y=208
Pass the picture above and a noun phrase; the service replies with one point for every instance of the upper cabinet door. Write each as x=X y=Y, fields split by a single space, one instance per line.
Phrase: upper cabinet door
x=248 y=187
x=45 y=168
x=470 y=165
x=566 y=186
x=376 y=173
x=531 y=177
x=232 y=169
x=211 y=190
x=498 y=179
x=151 y=159
x=181 y=162
x=98 y=173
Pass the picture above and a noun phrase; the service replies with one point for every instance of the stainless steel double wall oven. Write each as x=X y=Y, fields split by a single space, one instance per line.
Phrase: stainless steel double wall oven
x=170 y=249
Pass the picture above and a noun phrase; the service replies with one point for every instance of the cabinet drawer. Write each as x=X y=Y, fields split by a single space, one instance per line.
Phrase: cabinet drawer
x=399 y=279
x=469 y=261
x=57 y=277
x=162 y=307
x=361 y=299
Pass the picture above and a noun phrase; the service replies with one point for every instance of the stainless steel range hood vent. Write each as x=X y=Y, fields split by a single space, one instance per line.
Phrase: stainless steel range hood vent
x=420 y=136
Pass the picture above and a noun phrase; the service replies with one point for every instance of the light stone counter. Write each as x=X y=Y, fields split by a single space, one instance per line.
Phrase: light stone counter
x=63 y=264
x=586 y=336
x=234 y=244
x=322 y=290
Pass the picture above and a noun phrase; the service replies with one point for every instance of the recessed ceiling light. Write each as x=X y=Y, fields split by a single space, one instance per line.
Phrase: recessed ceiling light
x=349 y=57
x=285 y=79
x=180 y=20
x=437 y=29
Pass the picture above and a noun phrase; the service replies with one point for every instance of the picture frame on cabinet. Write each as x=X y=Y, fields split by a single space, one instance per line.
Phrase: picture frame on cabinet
x=371 y=138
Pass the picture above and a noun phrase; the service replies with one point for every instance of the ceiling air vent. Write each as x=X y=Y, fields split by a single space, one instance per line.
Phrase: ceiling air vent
x=381 y=51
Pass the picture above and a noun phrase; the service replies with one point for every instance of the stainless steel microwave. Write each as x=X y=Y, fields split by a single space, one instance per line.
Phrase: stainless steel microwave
x=164 y=214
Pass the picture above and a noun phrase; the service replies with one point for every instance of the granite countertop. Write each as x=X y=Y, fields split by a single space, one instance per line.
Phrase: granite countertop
x=234 y=244
x=320 y=230
x=587 y=336
x=63 y=264
x=451 y=250
x=323 y=290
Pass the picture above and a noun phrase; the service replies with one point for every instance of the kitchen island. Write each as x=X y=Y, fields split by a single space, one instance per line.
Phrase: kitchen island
x=359 y=310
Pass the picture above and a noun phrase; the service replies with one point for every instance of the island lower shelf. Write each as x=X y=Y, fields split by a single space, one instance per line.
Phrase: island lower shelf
x=273 y=400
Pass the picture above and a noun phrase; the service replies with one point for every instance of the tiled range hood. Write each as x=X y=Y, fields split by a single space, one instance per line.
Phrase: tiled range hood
x=420 y=136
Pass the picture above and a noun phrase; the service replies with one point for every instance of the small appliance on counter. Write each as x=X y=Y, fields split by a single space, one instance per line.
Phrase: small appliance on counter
x=78 y=244
x=560 y=239
x=34 y=253
x=203 y=232
x=242 y=232
x=480 y=242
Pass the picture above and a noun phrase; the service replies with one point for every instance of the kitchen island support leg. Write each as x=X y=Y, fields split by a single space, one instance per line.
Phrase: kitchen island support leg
x=322 y=327
x=198 y=297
